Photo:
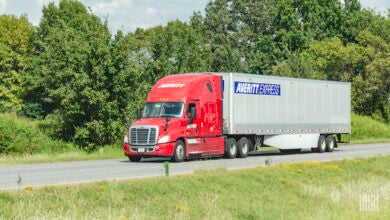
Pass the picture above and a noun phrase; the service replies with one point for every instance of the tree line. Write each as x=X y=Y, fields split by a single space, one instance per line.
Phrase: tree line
x=72 y=70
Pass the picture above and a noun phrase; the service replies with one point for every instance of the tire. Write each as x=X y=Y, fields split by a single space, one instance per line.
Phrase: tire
x=330 y=143
x=243 y=147
x=179 y=153
x=290 y=151
x=321 y=147
x=135 y=158
x=231 y=148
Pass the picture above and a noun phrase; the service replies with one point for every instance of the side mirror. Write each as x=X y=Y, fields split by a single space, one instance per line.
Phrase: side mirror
x=127 y=119
x=167 y=119
x=139 y=113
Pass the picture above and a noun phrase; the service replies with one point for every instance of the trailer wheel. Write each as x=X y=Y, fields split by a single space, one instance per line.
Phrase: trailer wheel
x=134 y=158
x=243 y=147
x=180 y=152
x=330 y=143
x=231 y=148
x=321 y=147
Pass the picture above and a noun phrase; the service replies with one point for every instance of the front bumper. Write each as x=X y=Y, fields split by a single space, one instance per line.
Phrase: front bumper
x=160 y=150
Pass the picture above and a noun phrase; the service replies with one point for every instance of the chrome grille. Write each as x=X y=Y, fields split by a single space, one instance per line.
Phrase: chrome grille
x=143 y=135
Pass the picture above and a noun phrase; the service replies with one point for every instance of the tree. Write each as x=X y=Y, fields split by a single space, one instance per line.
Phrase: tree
x=300 y=22
x=235 y=31
x=15 y=47
x=81 y=71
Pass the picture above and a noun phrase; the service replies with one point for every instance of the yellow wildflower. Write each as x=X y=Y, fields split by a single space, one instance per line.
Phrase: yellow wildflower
x=311 y=163
x=28 y=188
x=294 y=201
x=183 y=208
x=333 y=167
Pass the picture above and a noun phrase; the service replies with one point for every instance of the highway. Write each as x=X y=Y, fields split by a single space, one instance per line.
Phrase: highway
x=64 y=173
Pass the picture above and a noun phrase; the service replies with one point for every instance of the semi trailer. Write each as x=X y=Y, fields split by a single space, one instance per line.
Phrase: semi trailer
x=197 y=115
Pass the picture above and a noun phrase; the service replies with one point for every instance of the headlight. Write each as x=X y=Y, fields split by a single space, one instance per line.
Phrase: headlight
x=126 y=139
x=164 y=139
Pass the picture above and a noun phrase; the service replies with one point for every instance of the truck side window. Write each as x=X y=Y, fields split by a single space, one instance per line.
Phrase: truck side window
x=209 y=87
x=189 y=113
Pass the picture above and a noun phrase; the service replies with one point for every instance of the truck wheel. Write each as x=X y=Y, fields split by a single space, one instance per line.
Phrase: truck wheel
x=231 y=148
x=321 y=147
x=134 y=158
x=330 y=143
x=243 y=147
x=180 y=152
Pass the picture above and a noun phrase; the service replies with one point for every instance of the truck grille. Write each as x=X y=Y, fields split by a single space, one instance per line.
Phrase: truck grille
x=143 y=135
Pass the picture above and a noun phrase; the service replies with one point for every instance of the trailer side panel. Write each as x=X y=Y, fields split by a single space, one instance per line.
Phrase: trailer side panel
x=266 y=105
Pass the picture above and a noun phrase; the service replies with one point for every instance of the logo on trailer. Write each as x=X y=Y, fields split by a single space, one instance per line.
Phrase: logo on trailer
x=256 y=88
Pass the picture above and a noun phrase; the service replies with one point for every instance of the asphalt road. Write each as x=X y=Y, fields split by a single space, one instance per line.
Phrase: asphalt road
x=89 y=171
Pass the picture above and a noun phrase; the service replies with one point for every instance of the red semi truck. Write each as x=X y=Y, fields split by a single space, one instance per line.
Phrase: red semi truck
x=231 y=114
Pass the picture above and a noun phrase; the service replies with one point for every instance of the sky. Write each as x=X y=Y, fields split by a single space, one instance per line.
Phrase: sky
x=128 y=15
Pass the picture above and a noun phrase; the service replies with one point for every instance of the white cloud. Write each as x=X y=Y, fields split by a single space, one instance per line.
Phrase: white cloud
x=132 y=14
x=3 y=6
x=111 y=7
x=380 y=6
x=151 y=11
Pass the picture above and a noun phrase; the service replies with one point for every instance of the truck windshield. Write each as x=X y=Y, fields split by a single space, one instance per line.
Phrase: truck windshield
x=163 y=109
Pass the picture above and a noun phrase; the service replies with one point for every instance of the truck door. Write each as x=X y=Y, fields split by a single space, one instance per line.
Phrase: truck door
x=192 y=130
x=193 y=125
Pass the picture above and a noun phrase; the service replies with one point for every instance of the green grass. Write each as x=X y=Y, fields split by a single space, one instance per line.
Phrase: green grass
x=367 y=130
x=23 y=136
x=109 y=152
x=27 y=141
x=306 y=190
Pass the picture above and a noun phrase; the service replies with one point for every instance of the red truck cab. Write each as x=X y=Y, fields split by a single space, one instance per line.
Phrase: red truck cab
x=182 y=118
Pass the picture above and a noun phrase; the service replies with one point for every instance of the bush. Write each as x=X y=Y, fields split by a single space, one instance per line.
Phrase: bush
x=365 y=128
x=22 y=136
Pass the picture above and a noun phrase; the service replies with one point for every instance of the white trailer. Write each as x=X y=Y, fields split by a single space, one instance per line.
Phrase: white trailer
x=287 y=113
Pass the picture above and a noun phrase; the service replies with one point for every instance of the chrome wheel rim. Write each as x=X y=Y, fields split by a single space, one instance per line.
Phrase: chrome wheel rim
x=323 y=145
x=245 y=148
x=180 y=151
x=233 y=149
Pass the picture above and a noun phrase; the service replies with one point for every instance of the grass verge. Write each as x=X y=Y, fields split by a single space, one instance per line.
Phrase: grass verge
x=108 y=152
x=368 y=130
x=307 y=190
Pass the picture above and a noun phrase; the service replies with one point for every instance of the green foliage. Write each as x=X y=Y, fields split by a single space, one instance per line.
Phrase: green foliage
x=18 y=136
x=299 y=22
x=15 y=47
x=81 y=72
x=365 y=128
